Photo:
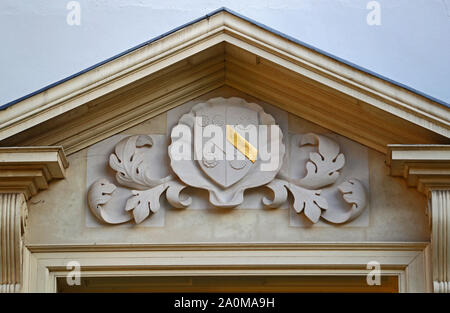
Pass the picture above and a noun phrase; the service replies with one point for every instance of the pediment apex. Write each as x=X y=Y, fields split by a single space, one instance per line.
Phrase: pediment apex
x=224 y=49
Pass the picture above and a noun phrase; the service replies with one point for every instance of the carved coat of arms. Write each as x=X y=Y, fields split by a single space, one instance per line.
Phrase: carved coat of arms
x=227 y=146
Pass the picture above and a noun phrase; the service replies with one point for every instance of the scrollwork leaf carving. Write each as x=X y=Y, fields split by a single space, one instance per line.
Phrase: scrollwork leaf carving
x=353 y=193
x=130 y=166
x=100 y=194
x=144 y=201
x=133 y=163
x=308 y=201
x=323 y=167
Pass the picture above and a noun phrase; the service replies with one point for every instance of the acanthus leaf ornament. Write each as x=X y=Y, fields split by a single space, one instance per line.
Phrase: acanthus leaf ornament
x=308 y=201
x=227 y=124
x=132 y=172
x=99 y=195
x=145 y=201
x=129 y=164
x=324 y=165
x=353 y=193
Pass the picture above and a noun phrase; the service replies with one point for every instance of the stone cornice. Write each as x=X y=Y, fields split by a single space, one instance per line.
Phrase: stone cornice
x=29 y=169
x=423 y=166
x=23 y=172
x=427 y=167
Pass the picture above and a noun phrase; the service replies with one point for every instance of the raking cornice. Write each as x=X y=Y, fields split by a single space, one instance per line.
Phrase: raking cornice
x=390 y=110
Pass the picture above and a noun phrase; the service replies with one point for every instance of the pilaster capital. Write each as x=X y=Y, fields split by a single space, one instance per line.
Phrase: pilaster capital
x=423 y=166
x=427 y=167
x=27 y=170
x=23 y=172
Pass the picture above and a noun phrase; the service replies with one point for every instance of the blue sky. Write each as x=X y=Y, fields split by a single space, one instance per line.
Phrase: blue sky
x=411 y=46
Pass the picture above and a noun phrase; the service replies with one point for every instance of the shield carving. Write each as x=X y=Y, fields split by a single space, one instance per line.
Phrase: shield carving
x=228 y=176
x=222 y=155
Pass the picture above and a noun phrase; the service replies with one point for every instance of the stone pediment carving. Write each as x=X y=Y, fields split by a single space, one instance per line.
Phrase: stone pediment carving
x=226 y=146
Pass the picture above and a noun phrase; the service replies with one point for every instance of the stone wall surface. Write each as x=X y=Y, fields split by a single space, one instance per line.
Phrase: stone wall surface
x=60 y=215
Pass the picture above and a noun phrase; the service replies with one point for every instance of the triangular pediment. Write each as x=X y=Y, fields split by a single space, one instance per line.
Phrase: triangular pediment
x=301 y=176
x=224 y=49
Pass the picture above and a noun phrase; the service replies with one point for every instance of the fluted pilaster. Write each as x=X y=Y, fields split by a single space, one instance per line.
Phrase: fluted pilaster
x=13 y=212
x=427 y=167
x=440 y=219
x=24 y=171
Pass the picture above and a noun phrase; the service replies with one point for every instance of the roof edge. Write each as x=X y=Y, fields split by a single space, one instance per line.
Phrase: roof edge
x=114 y=57
x=265 y=27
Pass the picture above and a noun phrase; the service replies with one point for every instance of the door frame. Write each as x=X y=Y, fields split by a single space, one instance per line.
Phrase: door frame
x=410 y=262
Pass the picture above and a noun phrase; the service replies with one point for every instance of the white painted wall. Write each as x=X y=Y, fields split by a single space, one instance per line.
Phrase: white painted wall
x=38 y=47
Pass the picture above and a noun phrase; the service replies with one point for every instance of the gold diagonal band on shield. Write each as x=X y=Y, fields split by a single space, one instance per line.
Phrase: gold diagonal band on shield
x=239 y=142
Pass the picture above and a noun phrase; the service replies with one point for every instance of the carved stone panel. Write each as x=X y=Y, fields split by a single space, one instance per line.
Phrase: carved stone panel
x=226 y=149
x=98 y=168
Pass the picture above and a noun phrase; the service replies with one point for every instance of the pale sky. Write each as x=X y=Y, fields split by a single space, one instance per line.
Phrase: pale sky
x=38 y=47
